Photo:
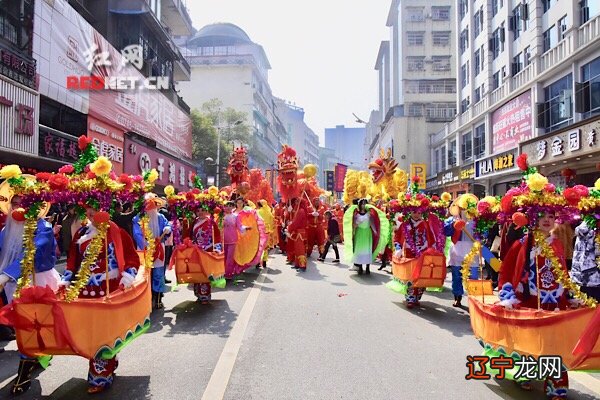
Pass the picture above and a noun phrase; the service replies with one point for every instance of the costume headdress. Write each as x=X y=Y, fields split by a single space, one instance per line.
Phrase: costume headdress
x=237 y=168
x=287 y=167
x=384 y=165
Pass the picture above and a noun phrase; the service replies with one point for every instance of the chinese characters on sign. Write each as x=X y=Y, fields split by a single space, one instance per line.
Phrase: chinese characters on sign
x=17 y=68
x=494 y=164
x=511 y=123
x=57 y=146
x=467 y=173
x=329 y=180
x=340 y=175
x=24 y=122
x=526 y=367
x=171 y=171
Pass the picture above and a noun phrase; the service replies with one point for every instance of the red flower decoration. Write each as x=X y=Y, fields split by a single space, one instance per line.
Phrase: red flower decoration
x=138 y=178
x=126 y=180
x=582 y=190
x=189 y=196
x=425 y=202
x=196 y=191
x=66 y=169
x=435 y=198
x=519 y=219
x=572 y=196
x=506 y=203
x=567 y=173
x=83 y=142
x=58 y=182
x=550 y=188
x=43 y=176
x=217 y=210
x=522 y=162
x=91 y=175
x=407 y=196
x=415 y=179
x=101 y=217
x=420 y=196
x=483 y=207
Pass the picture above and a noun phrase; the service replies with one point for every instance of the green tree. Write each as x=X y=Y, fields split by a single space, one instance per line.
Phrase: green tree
x=233 y=127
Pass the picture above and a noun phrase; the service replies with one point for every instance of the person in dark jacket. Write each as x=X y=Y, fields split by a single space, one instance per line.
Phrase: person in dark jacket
x=124 y=218
x=333 y=237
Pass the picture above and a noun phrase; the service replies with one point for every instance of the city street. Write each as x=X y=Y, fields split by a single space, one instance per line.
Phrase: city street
x=324 y=334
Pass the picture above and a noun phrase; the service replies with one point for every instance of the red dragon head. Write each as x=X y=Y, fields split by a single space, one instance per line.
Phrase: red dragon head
x=384 y=165
x=237 y=168
x=287 y=167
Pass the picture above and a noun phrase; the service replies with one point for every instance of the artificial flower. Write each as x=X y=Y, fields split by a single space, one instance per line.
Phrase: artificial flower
x=83 y=142
x=153 y=176
x=66 y=169
x=483 y=207
x=213 y=190
x=169 y=190
x=519 y=219
x=102 y=166
x=572 y=196
x=537 y=182
x=43 y=176
x=491 y=200
x=597 y=184
x=506 y=203
x=582 y=190
x=446 y=196
x=137 y=178
x=196 y=191
x=435 y=197
x=522 y=162
x=91 y=175
x=58 y=182
x=415 y=179
x=550 y=188
x=10 y=171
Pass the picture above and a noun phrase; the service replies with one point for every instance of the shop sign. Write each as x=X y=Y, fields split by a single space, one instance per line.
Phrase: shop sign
x=339 y=176
x=58 y=146
x=511 y=123
x=571 y=143
x=329 y=181
x=499 y=163
x=419 y=170
x=467 y=173
x=19 y=107
x=448 y=176
x=17 y=68
x=140 y=158
x=108 y=142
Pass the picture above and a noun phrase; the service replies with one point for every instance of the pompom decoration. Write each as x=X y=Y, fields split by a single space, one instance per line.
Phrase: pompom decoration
x=522 y=162
x=537 y=182
x=83 y=142
x=102 y=166
x=10 y=172
x=572 y=196
x=519 y=219
x=550 y=188
x=169 y=190
x=446 y=196
x=18 y=215
x=101 y=217
x=597 y=184
x=310 y=170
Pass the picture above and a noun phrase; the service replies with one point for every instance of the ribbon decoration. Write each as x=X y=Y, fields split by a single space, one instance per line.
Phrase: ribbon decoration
x=159 y=250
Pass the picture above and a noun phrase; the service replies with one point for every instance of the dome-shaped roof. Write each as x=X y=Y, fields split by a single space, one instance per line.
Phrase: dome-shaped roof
x=220 y=34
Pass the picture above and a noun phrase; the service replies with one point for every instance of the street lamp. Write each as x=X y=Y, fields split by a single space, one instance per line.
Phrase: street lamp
x=219 y=128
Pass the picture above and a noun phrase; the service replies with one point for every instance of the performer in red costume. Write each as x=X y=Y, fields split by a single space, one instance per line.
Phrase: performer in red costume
x=279 y=214
x=205 y=233
x=296 y=233
x=315 y=229
x=123 y=262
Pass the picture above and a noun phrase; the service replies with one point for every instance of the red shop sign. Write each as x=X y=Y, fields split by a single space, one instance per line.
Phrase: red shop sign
x=109 y=142
x=171 y=171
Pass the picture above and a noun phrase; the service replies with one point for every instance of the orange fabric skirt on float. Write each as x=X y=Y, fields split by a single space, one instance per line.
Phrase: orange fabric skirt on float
x=427 y=270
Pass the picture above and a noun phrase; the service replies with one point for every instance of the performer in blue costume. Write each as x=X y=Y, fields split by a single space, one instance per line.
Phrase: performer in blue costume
x=161 y=229
x=11 y=254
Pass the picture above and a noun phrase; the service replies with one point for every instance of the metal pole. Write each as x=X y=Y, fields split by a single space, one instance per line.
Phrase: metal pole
x=218 y=153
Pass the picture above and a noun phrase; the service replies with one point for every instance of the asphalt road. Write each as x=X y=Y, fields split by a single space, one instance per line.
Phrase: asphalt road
x=327 y=333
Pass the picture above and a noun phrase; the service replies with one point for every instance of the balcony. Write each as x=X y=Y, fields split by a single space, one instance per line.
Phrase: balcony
x=558 y=53
x=524 y=77
x=174 y=14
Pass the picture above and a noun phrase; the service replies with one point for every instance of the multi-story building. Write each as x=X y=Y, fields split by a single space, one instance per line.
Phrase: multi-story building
x=529 y=82
x=228 y=66
x=348 y=144
x=60 y=41
x=299 y=135
x=417 y=79
x=327 y=162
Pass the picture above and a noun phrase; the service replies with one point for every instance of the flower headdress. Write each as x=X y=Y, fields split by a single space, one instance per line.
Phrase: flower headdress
x=413 y=200
x=535 y=196
x=589 y=205
x=488 y=209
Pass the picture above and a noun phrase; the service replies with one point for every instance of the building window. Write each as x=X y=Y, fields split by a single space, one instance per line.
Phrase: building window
x=518 y=21
x=562 y=28
x=477 y=62
x=517 y=64
x=452 y=154
x=441 y=63
x=526 y=56
x=497 y=43
x=496 y=6
x=440 y=13
x=426 y=86
x=440 y=38
x=466 y=151
x=415 y=110
x=479 y=141
x=547 y=3
x=463 y=8
x=16 y=24
x=436 y=165
x=443 y=160
x=477 y=95
x=557 y=111
x=464 y=104
x=589 y=9
x=464 y=74
x=464 y=40
x=440 y=111
x=496 y=80
x=477 y=22
x=416 y=63
x=550 y=38
x=588 y=92
x=415 y=14
x=415 y=38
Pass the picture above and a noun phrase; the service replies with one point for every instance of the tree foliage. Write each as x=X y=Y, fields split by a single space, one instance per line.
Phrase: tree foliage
x=206 y=124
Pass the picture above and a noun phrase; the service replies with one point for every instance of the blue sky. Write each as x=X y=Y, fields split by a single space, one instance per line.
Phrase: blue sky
x=322 y=52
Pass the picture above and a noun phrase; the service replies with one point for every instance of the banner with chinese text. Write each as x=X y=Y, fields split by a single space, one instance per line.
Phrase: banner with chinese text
x=340 y=175
x=511 y=123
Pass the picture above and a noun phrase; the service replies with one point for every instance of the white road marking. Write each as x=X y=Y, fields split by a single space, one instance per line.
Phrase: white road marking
x=7 y=380
x=219 y=380
x=586 y=380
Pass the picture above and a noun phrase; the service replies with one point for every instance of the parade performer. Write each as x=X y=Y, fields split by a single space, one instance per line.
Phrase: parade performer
x=333 y=237
x=102 y=263
x=161 y=229
x=338 y=214
x=237 y=167
x=585 y=270
x=264 y=211
x=232 y=227
x=296 y=235
x=280 y=222
x=460 y=228
x=369 y=228
x=206 y=235
x=315 y=228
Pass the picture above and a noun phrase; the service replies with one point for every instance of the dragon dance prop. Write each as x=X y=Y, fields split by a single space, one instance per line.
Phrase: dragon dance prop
x=571 y=334
x=294 y=183
x=48 y=323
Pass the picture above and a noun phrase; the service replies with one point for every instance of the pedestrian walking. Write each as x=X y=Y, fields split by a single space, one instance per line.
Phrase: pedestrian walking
x=333 y=237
